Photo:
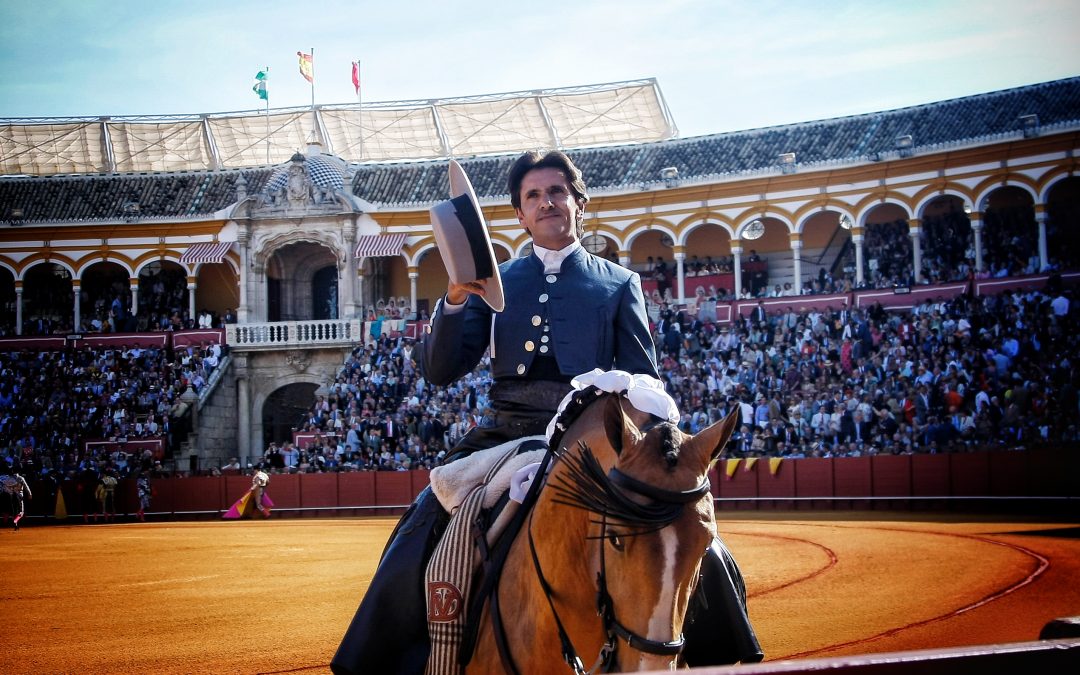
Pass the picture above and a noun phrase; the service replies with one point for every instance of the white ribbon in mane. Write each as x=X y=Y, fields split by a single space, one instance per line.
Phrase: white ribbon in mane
x=645 y=393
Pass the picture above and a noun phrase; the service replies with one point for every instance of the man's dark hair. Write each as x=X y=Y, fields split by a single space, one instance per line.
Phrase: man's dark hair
x=555 y=159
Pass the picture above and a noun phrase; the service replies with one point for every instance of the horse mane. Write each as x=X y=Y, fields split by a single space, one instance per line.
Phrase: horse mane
x=586 y=486
x=669 y=449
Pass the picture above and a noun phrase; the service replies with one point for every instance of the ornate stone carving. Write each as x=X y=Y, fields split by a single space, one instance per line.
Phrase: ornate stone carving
x=299 y=359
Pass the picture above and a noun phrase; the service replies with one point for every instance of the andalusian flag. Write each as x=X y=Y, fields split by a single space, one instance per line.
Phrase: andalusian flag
x=260 y=85
x=307 y=68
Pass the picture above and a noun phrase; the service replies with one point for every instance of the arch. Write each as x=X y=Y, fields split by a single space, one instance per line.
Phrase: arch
x=870 y=202
x=650 y=224
x=523 y=247
x=39 y=258
x=272 y=245
x=697 y=220
x=607 y=231
x=805 y=213
x=155 y=256
x=1052 y=179
x=991 y=185
x=420 y=251
x=10 y=267
x=105 y=258
x=498 y=245
x=261 y=397
x=744 y=220
x=924 y=197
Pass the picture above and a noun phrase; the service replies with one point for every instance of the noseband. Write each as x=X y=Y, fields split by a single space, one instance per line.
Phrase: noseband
x=666 y=507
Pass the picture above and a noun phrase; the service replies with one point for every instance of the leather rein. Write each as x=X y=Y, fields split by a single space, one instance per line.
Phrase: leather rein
x=613 y=628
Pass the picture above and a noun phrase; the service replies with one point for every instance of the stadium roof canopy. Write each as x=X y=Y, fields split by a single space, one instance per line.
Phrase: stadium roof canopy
x=578 y=117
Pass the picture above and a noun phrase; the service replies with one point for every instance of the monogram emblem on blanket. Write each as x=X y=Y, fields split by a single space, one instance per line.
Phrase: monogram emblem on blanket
x=444 y=602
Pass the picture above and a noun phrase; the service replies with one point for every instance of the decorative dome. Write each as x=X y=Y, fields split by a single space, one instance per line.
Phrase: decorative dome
x=323 y=170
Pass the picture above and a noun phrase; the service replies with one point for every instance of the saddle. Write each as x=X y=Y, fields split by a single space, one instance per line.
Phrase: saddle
x=465 y=566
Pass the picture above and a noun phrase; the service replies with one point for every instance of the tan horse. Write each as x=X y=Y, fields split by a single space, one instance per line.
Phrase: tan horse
x=626 y=517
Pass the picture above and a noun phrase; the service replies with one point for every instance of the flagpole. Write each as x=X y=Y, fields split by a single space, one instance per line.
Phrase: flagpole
x=268 y=117
x=314 y=119
x=360 y=108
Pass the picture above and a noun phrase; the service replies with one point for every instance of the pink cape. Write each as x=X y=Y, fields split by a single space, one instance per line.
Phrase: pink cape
x=245 y=508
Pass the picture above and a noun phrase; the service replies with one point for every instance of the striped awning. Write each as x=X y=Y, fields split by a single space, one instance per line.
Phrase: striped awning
x=377 y=245
x=206 y=252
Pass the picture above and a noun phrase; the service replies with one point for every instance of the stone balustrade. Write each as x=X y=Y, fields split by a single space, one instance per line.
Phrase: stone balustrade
x=294 y=334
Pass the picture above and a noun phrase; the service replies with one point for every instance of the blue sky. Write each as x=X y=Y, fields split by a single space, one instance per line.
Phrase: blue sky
x=722 y=65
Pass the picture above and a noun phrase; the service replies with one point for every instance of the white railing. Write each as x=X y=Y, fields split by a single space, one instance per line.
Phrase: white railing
x=281 y=334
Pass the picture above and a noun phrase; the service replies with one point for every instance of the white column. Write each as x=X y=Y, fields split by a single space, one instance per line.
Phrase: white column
x=135 y=298
x=736 y=255
x=76 y=291
x=914 y=230
x=243 y=402
x=191 y=298
x=18 y=309
x=348 y=292
x=857 y=239
x=361 y=301
x=680 y=274
x=977 y=229
x=243 y=310
x=1044 y=258
x=413 y=276
x=796 y=254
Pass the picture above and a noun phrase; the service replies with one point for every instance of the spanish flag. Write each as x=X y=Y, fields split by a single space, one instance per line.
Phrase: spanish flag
x=307 y=66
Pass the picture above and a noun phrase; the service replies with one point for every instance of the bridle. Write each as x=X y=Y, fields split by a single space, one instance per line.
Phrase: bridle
x=666 y=506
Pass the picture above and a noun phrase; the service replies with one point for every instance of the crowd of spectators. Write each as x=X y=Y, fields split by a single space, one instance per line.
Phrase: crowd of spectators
x=105 y=306
x=974 y=373
x=380 y=414
x=995 y=371
x=53 y=402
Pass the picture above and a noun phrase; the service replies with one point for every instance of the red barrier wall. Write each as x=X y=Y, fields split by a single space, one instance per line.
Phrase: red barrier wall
x=845 y=482
x=891 y=475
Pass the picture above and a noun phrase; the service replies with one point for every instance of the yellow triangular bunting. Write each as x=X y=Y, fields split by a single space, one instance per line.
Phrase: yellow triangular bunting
x=774 y=464
x=61 y=508
x=730 y=466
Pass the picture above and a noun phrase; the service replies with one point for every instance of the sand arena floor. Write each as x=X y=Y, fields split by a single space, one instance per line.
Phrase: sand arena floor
x=275 y=596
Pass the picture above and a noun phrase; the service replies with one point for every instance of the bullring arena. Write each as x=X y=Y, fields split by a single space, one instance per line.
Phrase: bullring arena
x=275 y=596
x=192 y=298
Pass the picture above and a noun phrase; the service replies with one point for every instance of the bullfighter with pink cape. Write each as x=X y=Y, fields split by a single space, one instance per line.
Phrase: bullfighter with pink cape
x=255 y=501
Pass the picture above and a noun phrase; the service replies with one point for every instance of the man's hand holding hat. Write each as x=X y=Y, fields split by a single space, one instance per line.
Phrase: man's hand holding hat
x=462 y=237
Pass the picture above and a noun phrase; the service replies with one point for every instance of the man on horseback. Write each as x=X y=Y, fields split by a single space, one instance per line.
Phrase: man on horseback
x=565 y=312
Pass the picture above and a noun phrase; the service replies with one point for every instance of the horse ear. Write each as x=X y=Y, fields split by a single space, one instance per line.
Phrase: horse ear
x=615 y=423
x=711 y=441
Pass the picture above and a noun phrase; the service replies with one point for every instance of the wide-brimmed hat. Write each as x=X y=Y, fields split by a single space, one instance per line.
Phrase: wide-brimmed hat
x=463 y=241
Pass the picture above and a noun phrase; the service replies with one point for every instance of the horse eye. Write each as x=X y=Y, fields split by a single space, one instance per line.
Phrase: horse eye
x=615 y=540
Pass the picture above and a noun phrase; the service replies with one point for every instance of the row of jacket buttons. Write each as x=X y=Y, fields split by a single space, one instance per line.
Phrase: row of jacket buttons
x=536 y=321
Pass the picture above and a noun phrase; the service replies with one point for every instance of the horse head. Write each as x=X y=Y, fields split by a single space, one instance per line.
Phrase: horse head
x=644 y=486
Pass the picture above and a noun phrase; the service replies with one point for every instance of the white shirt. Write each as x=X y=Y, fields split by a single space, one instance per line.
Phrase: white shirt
x=553 y=260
